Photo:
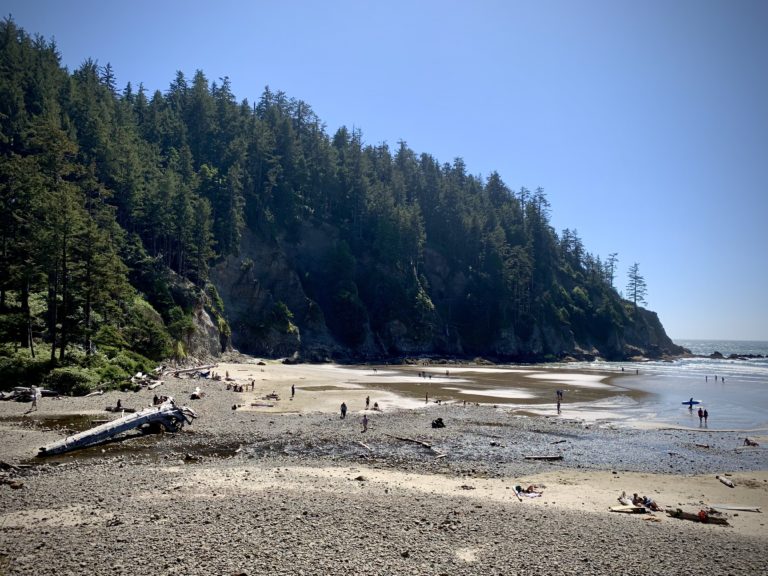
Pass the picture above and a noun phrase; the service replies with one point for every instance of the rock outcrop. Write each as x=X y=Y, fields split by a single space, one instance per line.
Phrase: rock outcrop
x=300 y=298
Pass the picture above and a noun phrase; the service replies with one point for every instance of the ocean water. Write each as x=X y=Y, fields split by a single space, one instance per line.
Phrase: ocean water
x=725 y=347
x=734 y=392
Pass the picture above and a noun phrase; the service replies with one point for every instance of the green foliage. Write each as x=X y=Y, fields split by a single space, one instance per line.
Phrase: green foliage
x=72 y=380
x=20 y=369
x=145 y=331
x=132 y=362
x=110 y=338
x=181 y=325
x=106 y=194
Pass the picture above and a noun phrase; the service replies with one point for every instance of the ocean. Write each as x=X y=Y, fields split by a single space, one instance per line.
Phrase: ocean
x=734 y=392
x=638 y=394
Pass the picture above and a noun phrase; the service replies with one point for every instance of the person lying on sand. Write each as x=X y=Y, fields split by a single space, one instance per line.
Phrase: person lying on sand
x=532 y=491
x=748 y=442
x=650 y=503
x=646 y=502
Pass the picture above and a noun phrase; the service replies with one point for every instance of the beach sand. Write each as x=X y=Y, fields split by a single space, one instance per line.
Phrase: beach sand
x=273 y=477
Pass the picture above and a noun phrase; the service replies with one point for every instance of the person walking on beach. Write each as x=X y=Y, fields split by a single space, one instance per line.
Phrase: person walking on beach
x=367 y=402
x=293 y=390
x=706 y=415
x=343 y=410
x=365 y=422
x=36 y=395
x=701 y=415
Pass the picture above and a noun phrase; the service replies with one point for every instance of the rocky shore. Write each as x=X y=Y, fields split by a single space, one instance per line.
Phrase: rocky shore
x=295 y=491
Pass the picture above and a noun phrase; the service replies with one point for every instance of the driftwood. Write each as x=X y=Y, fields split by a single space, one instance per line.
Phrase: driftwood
x=420 y=442
x=364 y=445
x=119 y=409
x=702 y=516
x=185 y=370
x=170 y=416
x=26 y=393
x=544 y=457
x=726 y=481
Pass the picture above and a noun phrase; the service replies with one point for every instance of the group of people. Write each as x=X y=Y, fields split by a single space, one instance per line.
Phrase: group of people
x=364 y=420
x=703 y=415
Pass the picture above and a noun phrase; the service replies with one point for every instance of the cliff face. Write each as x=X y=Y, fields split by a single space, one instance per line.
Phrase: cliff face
x=302 y=298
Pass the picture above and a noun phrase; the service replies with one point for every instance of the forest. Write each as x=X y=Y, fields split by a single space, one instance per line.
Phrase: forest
x=126 y=217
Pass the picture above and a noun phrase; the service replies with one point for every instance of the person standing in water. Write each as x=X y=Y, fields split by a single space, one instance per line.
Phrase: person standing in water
x=706 y=415
x=701 y=415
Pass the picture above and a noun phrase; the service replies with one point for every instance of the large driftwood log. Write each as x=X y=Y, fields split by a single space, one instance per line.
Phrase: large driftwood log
x=170 y=416
x=185 y=370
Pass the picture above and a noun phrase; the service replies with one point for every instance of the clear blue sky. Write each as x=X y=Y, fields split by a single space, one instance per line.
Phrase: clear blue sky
x=645 y=122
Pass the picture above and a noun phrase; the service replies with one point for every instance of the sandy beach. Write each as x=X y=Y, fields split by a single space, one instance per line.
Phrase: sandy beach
x=286 y=486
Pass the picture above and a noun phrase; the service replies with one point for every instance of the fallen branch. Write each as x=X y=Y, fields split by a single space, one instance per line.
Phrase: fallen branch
x=404 y=439
x=364 y=445
x=543 y=457
x=420 y=442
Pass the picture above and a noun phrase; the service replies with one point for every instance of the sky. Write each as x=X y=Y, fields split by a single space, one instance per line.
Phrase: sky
x=645 y=122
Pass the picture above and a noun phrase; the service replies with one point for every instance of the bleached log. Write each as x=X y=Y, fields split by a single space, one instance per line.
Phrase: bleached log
x=171 y=417
x=185 y=370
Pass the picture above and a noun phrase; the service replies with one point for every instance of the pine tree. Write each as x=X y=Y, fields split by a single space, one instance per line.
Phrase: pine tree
x=636 y=287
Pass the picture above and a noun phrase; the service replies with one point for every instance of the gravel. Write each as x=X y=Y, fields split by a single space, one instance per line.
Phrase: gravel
x=148 y=505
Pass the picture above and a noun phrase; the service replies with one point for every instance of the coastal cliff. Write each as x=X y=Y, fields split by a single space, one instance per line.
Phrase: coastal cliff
x=279 y=299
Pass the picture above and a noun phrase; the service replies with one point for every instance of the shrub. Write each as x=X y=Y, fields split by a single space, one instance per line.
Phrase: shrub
x=132 y=362
x=114 y=375
x=145 y=331
x=22 y=370
x=180 y=324
x=71 y=380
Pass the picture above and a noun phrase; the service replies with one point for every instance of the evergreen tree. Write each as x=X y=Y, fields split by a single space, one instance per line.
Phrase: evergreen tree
x=636 y=287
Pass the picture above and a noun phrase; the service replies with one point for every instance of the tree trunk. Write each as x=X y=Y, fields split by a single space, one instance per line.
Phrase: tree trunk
x=64 y=299
x=24 y=339
x=52 y=297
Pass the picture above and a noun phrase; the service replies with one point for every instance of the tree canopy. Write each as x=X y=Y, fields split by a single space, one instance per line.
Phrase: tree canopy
x=104 y=192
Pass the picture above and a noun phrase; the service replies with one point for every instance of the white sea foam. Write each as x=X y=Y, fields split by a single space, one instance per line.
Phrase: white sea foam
x=573 y=379
x=495 y=392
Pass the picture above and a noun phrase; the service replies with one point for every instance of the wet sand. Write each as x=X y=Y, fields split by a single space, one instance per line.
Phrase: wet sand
x=529 y=390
